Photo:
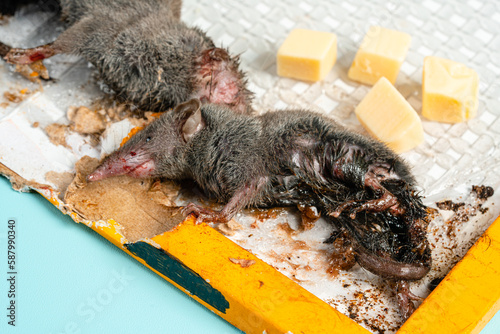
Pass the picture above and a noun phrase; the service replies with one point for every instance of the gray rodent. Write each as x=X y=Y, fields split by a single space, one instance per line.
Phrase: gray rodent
x=146 y=54
x=290 y=157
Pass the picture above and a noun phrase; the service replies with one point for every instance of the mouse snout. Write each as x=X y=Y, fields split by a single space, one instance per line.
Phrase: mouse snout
x=135 y=163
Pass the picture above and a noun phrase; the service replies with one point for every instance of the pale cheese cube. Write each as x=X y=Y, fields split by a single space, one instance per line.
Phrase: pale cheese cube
x=387 y=116
x=449 y=91
x=380 y=55
x=307 y=55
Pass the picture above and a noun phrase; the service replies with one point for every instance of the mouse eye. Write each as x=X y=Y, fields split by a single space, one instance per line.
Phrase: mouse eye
x=148 y=139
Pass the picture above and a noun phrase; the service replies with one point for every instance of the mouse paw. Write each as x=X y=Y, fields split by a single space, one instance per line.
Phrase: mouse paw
x=28 y=56
x=203 y=214
x=385 y=202
x=345 y=206
x=18 y=56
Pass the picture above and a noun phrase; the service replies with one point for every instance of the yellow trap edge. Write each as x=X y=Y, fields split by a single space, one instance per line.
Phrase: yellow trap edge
x=259 y=298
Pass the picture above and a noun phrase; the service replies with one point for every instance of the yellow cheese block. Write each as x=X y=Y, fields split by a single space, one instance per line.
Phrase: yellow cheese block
x=307 y=55
x=380 y=55
x=387 y=116
x=449 y=91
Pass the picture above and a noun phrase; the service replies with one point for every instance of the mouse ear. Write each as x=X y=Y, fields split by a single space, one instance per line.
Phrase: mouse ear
x=188 y=107
x=193 y=120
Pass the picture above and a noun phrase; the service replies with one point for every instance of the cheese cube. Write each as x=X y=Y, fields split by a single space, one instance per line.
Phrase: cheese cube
x=380 y=55
x=307 y=55
x=387 y=116
x=449 y=91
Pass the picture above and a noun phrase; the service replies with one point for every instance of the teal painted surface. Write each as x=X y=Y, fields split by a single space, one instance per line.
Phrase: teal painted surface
x=179 y=273
x=72 y=280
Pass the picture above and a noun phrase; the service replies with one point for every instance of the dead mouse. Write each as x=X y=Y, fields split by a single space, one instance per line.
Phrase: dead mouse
x=290 y=157
x=145 y=53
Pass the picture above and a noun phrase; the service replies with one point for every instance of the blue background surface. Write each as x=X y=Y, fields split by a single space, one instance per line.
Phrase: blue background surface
x=72 y=280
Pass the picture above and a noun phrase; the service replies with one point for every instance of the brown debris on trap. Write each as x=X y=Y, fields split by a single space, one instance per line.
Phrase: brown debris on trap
x=229 y=227
x=361 y=303
x=342 y=258
x=85 y=121
x=115 y=111
x=244 y=263
x=265 y=214
x=456 y=229
x=14 y=95
x=483 y=192
x=57 y=134
x=309 y=216
x=138 y=205
x=60 y=180
x=92 y=123
x=464 y=211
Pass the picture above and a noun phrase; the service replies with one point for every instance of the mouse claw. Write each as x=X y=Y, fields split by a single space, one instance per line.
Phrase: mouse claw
x=344 y=206
x=203 y=214
x=385 y=202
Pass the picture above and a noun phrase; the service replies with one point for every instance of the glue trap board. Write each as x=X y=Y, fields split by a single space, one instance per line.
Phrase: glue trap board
x=263 y=272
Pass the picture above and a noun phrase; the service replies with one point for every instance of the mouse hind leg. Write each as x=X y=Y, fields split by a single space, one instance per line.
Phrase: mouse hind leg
x=29 y=61
x=241 y=198
x=28 y=56
x=386 y=201
x=353 y=167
